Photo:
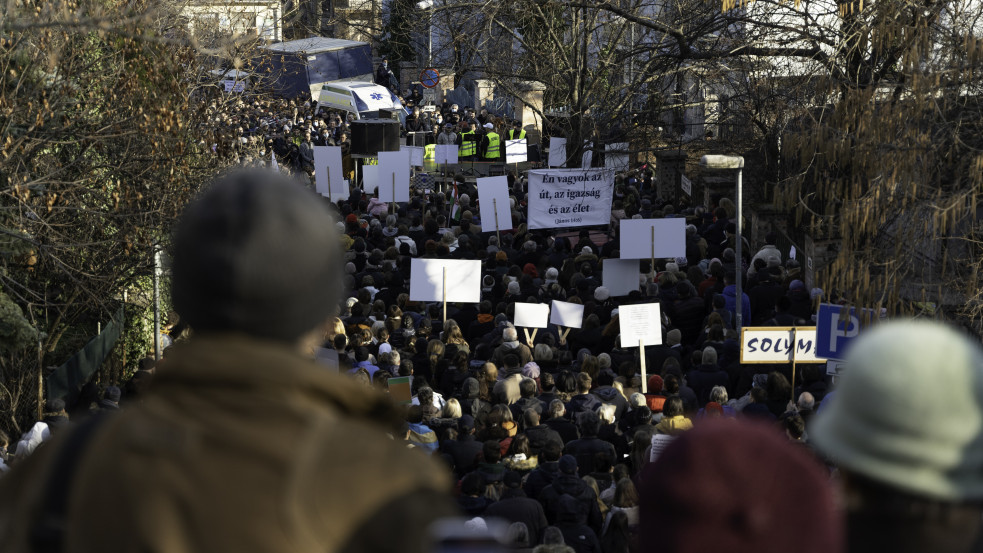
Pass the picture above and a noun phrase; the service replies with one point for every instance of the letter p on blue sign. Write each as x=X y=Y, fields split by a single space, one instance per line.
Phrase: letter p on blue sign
x=836 y=329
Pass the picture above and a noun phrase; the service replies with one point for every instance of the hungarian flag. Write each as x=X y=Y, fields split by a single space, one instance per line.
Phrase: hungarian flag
x=456 y=207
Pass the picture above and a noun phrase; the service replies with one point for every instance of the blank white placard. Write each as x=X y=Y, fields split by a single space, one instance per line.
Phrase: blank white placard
x=620 y=276
x=516 y=151
x=493 y=196
x=394 y=176
x=636 y=238
x=416 y=155
x=329 y=179
x=532 y=315
x=558 y=151
x=570 y=315
x=445 y=154
x=463 y=280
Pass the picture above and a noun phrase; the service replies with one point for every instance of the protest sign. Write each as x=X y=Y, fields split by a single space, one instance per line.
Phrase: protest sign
x=370 y=177
x=570 y=197
x=494 y=207
x=652 y=238
x=231 y=85
x=570 y=315
x=640 y=323
x=659 y=444
x=463 y=282
x=445 y=154
x=327 y=358
x=616 y=156
x=532 y=315
x=686 y=185
x=399 y=390
x=620 y=276
x=394 y=176
x=516 y=151
x=329 y=180
x=770 y=344
x=558 y=151
x=416 y=154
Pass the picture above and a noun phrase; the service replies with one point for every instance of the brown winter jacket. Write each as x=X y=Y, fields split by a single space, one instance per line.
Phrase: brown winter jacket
x=241 y=446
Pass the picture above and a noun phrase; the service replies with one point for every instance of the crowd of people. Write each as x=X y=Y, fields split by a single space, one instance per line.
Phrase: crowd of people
x=554 y=435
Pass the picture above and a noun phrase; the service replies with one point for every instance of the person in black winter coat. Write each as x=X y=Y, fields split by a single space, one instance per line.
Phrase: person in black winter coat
x=609 y=395
x=559 y=423
x=706 y=376
x=547 y=471
x=687 y=312
x=514 y=506
x=539 y=434
x=465 y=450
x=584 y=449
x=576 y=534
x=583 y=510
x=583 y=401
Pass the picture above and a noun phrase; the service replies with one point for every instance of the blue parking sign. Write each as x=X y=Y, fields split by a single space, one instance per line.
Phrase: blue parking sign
x=835 y=329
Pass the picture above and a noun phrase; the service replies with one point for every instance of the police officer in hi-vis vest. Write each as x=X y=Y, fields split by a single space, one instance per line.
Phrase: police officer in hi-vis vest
x=491 y=144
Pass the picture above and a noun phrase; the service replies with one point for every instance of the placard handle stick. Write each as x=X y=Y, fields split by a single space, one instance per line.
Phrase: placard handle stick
x=394 y=193
x=530 y=338
x=329 y=182
x=641 y=363
x=564 y=332
x=443 y=294
x=495 y=208
x=793 y=364
x=653 y=252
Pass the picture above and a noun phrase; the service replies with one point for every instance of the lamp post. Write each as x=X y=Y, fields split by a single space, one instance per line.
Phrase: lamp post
x=428 y=5
x=719 y=162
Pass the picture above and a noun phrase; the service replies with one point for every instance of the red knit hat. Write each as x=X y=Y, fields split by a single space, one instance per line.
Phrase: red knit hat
x=737 y=487
x=655 y=384
x=714 y=408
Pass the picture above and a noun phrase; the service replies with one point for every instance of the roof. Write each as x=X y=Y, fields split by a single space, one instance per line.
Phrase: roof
x=313 y=45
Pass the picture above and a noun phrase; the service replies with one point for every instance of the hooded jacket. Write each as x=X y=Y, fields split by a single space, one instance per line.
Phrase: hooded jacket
x=242 y=445
x=585 y=509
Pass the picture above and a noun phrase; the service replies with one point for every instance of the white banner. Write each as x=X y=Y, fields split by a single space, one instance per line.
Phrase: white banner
x=570 y=197
x=773 y=344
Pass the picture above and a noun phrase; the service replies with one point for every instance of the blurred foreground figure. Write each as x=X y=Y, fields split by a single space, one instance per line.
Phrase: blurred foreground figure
x=737 y=487
x=906 y=430
x=243 y=444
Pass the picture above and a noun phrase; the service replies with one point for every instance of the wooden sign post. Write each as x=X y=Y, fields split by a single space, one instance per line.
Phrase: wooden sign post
x=443 y=295
x=495 y=207
x=641 y=363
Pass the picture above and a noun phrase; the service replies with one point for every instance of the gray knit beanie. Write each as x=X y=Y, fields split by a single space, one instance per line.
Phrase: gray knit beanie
x=258 y=254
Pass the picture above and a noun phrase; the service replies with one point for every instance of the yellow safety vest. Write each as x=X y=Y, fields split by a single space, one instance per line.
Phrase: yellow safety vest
x=494 y=148
x=468 y=146
x=522 y=134
x=430 y=152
